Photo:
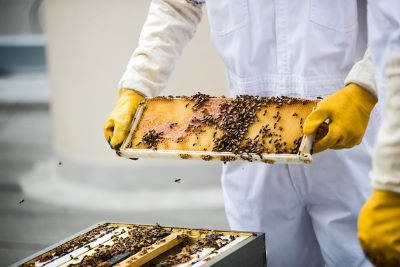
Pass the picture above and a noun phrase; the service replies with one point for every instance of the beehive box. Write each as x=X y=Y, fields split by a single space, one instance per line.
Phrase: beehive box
x=123 y=245
x=267 y=129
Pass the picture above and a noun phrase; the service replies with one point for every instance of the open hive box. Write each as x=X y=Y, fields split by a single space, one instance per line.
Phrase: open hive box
x=251 y=128
x=115 y=244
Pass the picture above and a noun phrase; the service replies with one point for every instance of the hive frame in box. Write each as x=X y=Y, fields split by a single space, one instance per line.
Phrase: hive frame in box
x=302 y=157
x=37 y=254
x=247 y=250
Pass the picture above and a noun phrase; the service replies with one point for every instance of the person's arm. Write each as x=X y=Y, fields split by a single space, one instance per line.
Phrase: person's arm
x=378 y=222
x=384 y=37
x=386 y=161
x=348 y=110
x=169 y=26
x=379 y=219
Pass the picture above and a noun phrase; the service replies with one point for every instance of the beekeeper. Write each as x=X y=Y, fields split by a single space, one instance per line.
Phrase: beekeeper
x=379 y=221
x=293 y=48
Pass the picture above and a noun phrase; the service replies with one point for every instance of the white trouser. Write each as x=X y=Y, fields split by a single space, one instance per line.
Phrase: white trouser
x=309 y=213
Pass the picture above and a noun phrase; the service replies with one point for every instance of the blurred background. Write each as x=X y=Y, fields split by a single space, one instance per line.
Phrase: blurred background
x=60 y=63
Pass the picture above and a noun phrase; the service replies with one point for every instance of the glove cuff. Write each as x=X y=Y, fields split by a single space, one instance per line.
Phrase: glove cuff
x=387 y=196
x=366 y=99
x=131 y=91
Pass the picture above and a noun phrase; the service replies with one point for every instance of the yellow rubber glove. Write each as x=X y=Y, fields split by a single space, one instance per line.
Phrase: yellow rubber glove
x=348 y=111
x=117 y=125
x=379 y=228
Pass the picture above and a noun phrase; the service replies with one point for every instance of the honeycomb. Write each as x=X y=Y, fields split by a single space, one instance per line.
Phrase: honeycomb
x=245 y=124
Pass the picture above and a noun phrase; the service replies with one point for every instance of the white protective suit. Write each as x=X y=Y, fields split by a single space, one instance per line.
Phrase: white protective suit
x=283 y=47
x=384 y=36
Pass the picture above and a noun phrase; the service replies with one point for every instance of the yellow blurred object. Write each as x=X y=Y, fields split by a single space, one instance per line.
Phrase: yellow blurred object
x=379 y=228
x=348 y=112
x=117 y=125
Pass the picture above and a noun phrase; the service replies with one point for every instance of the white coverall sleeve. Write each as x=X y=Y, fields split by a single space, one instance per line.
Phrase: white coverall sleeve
x=386 y=161
x=384 y=38
x=169 y=26
x=363 y=74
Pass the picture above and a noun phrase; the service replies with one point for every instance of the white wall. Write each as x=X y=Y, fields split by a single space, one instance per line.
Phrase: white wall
x=89 y=44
